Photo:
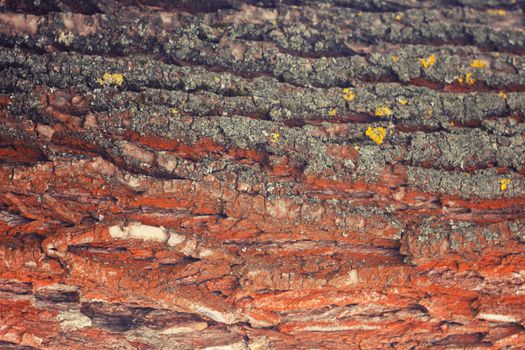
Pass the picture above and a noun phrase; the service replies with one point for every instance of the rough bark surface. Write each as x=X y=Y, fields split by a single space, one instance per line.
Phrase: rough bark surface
x=291 y=174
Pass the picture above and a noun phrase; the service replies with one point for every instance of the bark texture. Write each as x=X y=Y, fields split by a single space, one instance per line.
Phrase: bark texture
x=245 y=175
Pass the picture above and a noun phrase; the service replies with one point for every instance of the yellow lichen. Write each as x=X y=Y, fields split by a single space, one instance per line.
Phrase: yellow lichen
x=348 y=94
x=383 y=111
x=402 y=101
x=497 y=12
x=478 y=64
x=65 y=38
x=332 y=112
x=427 y=62
x=394 y=58
x=376 y=134
x=504 y=183
x=111 y=79
x=503 y=95
x=274 y=137
x=467 y=79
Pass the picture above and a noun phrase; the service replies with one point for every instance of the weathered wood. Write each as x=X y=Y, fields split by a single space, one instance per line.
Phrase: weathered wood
x=262 y=174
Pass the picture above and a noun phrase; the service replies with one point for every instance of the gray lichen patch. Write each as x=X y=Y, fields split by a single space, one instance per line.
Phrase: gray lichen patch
x=471 y=148
x=441 y=25
x=481 y=183
x=373 y=160
x=193 y=90
x=286 y=50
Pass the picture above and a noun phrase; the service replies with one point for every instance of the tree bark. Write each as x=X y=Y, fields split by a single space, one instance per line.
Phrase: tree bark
x=286 y=174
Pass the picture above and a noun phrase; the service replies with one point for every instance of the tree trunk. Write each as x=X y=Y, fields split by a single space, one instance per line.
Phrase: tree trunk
x=274 y=174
